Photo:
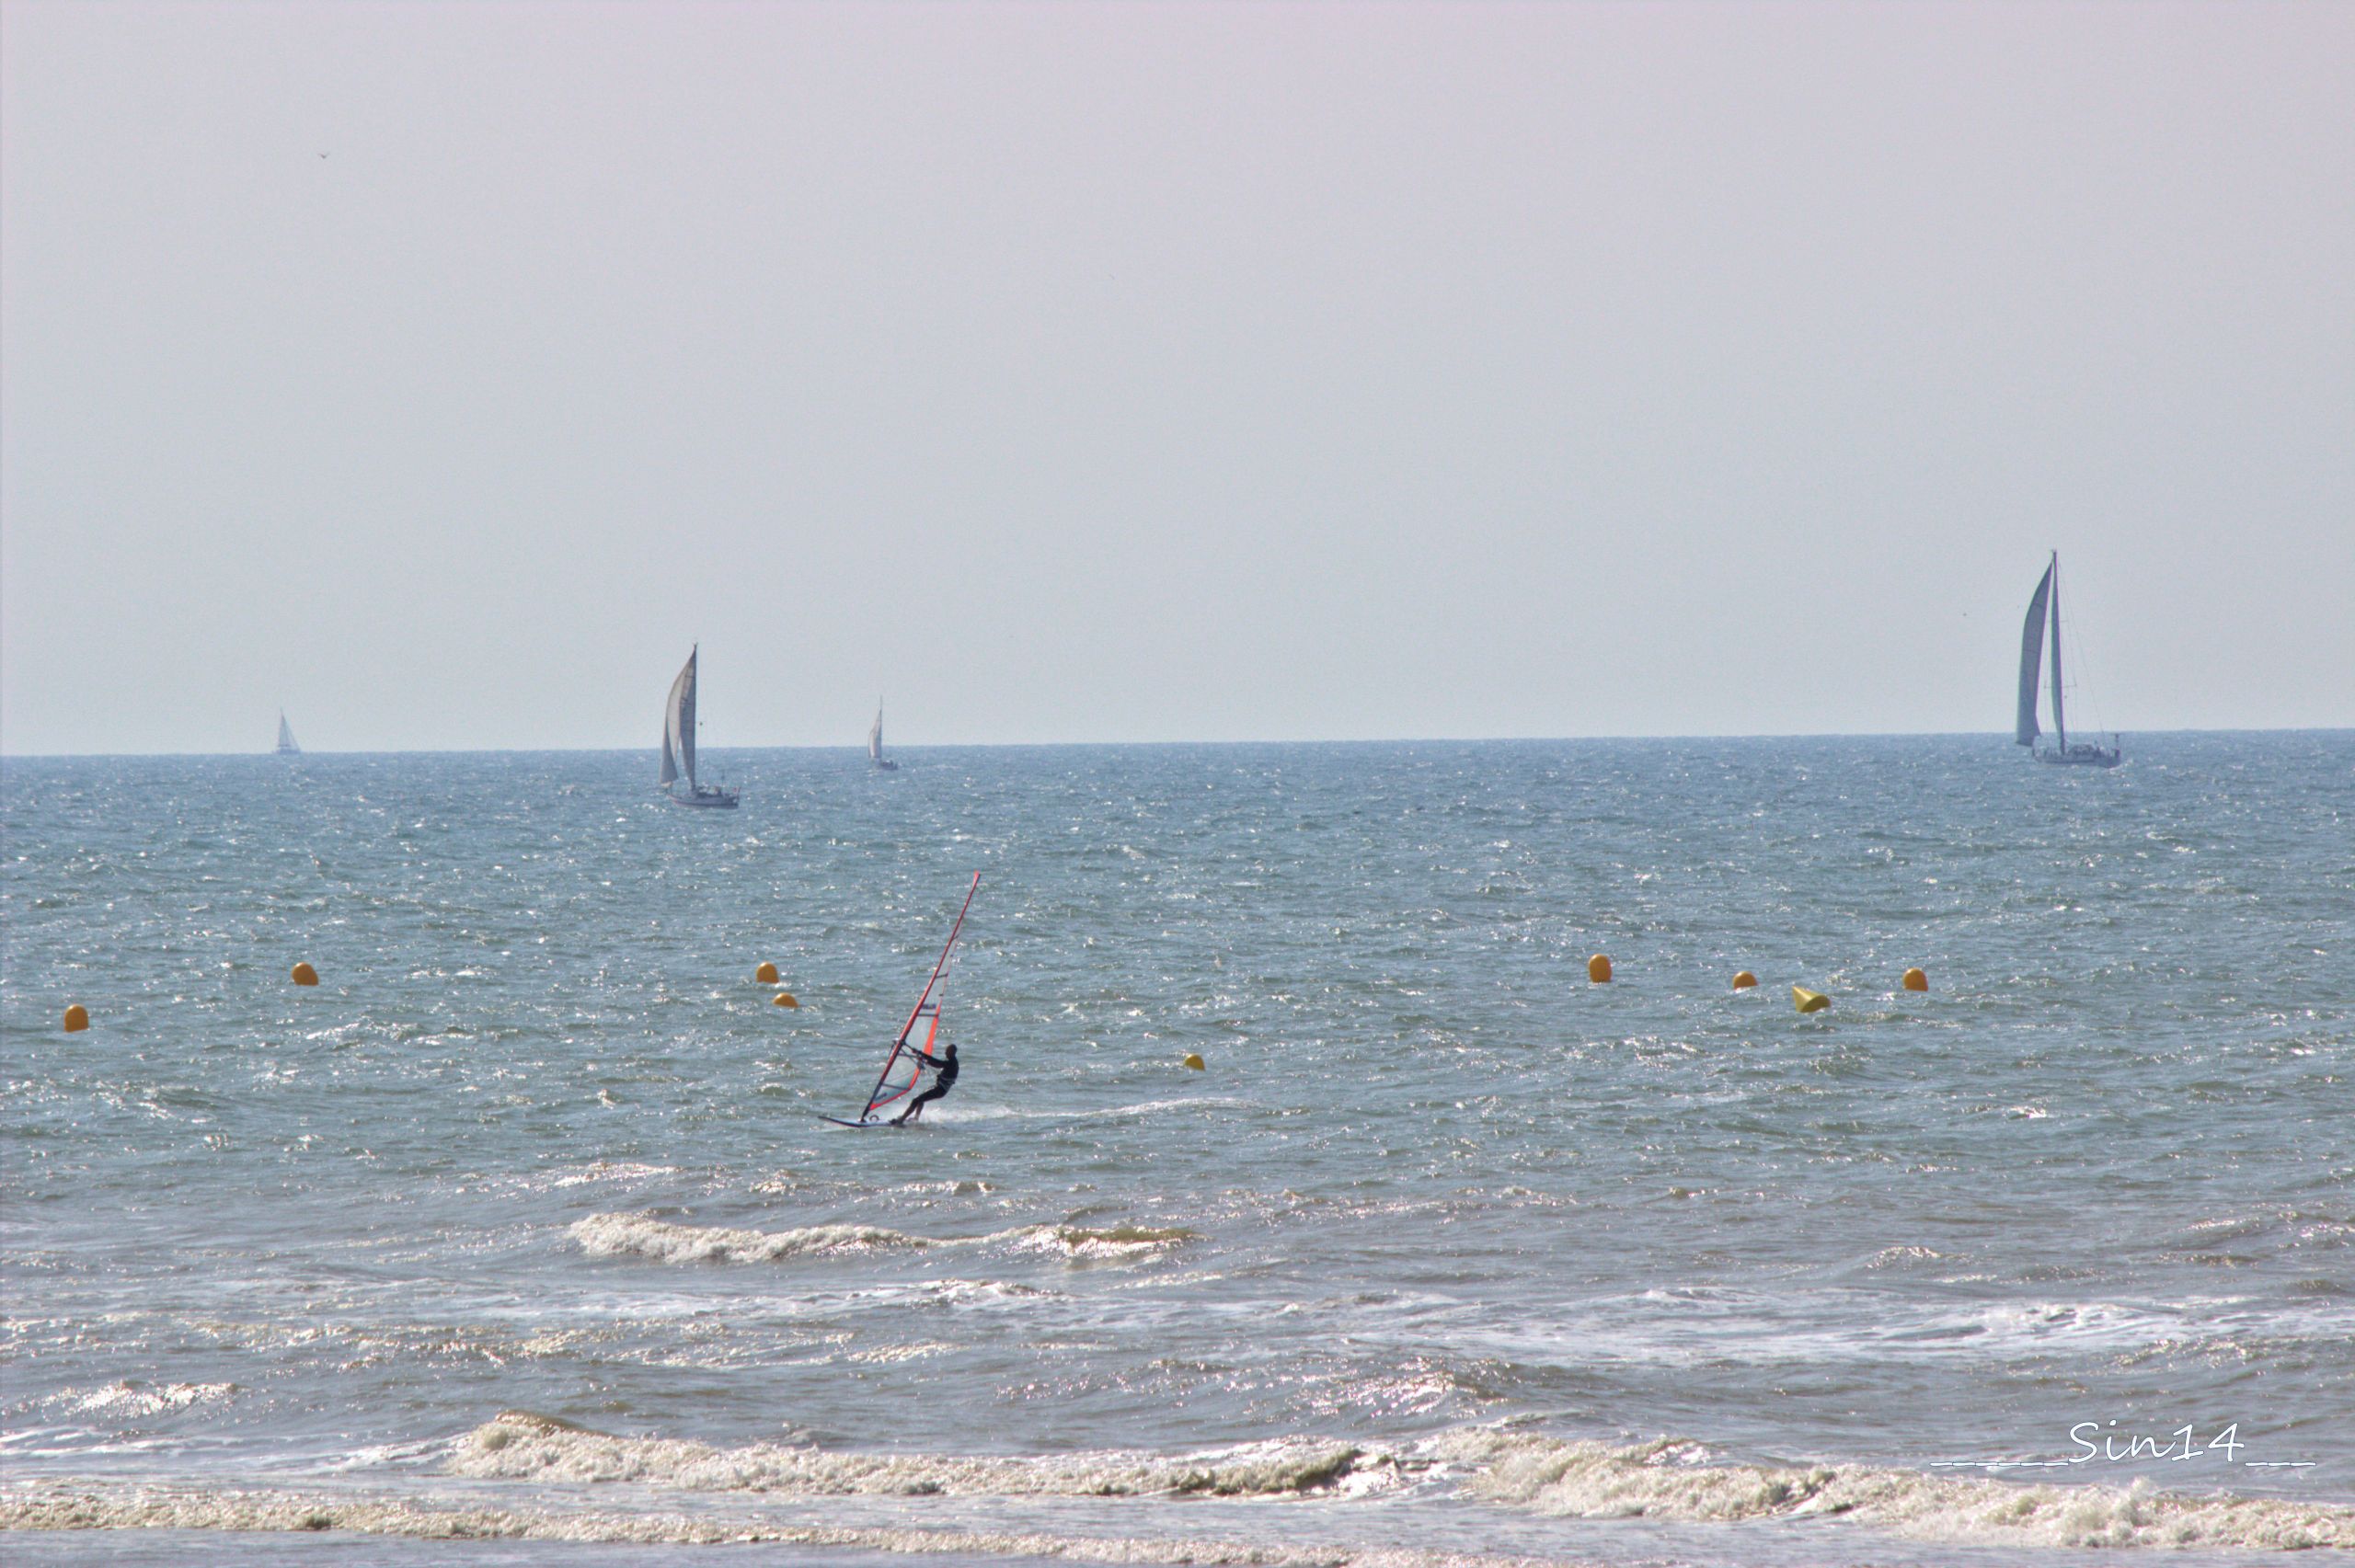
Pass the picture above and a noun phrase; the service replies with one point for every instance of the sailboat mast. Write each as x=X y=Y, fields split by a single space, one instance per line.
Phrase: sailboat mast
x=2059 y=723
x=688 y=719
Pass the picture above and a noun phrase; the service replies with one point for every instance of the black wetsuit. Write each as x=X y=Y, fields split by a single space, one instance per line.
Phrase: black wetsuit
x=947 y=1069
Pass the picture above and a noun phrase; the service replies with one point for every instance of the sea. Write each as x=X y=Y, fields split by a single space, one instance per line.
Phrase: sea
x=519 y=1239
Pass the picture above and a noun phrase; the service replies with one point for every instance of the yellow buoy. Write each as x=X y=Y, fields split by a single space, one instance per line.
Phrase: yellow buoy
x=786 y=999
x=77 y=1018
x=1598 y=968
x=1916 y=980
x=305 y=976
x=766 y=973
x=1743 y=979
x=1194 y=1060
x=1808 y=1000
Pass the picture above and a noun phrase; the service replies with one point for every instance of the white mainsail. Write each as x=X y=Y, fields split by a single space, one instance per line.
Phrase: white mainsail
x=875 y=737
x=286 y=746
x=679 y=725
x=2032 y=656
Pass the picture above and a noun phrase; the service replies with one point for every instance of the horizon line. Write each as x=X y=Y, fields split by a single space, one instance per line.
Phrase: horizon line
x=859 y=748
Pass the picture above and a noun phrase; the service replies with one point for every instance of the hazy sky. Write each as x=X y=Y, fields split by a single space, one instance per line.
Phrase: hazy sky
x=440 y=372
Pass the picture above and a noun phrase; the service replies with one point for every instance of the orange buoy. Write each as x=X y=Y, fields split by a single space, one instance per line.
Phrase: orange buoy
x=1808 y=1000
x=1743 y=979
x=305 y=976
x=1916 y=980
x=77 y=1018
x=766 y=973
x=1598 y=968
x=786 y=999
x=1194 y=1060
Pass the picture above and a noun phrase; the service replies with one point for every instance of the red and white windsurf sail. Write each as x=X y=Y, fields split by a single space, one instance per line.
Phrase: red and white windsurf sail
x=903 y=1068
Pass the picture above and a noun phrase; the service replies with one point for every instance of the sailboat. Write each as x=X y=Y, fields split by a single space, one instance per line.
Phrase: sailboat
x=679 y=744
x=875 y=745
x=286 y=746
x=2042 y=606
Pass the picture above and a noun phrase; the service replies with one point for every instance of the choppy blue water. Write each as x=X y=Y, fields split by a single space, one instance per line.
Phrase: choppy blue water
x=1442 y=1242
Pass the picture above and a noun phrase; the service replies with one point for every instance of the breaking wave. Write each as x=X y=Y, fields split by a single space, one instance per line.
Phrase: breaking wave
x=1671 y=1480
x=1110 y=1241
x=519 y=1446
x=626 y=1235
x=61 y=1508
x=1667 y=1481
x=638 y=1235
x=127 y=1398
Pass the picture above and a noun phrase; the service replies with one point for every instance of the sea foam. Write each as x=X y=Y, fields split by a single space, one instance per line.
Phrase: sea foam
x=216 y=1508
x=636 y=1235
x=521 y=1445
x=625 y=1235
x=1667 y=1480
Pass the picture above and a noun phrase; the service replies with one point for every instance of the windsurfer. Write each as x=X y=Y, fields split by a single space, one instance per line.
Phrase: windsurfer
x=945 y=1069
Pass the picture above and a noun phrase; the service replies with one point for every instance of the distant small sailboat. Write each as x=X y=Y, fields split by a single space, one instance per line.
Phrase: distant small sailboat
x=286 y=746
x=2042 y=606
x=679 y=744
x=875 y=745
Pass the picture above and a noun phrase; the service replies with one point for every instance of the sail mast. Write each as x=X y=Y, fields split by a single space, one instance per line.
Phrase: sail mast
x=2060 y=724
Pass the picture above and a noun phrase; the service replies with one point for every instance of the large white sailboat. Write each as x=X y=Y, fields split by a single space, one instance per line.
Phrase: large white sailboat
x=679 y=744
x=875 y=744
x=286 y=746
x=2044 y=606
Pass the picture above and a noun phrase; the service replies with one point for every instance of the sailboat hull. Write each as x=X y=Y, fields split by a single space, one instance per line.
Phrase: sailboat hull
x=2081 y=756
x=709 y=797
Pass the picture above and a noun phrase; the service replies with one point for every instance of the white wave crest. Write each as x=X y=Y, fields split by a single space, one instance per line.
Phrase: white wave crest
x=1665 y=1480
x=519 y=1446
x=636 y=1235
x=214 y=1508
x=128 y=1398
x=627 y=1235
x=609 y=1171
x=1110 y=1241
